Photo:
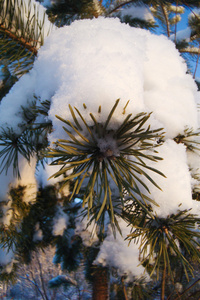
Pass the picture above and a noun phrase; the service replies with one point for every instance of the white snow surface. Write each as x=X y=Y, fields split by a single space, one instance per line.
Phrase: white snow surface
x=6 y=258
x=141 y=12
x=98 y=61
x=114 y=251
x=87 y=233
x=118 y=253
x=27 y=172
x=60 y=222
x=176 y=187
x=183 y=34
x=38 y=235
x=33 y=7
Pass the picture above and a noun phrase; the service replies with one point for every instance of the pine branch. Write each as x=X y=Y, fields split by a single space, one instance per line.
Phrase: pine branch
x=7 y=80
x=165 y=15
x=64 y=12
x=28 y=142
x=188 y=139
x=21 y=32
x=34 y=283
x=175 y=33
x=41 y=277
x=190 y=50
x=187 y=289
x=116 y=8
x=20 y=40
x=62 y=279
x=159 y=238
x=120 y=161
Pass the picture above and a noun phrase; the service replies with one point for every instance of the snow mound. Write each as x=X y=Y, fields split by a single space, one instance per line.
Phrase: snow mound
x=98 y=61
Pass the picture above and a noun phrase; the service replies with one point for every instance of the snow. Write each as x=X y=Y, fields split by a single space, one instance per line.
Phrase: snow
x=97 y=62
x=6 y=259
x=40 y=11
x=108 y=142
x=60 y=222
x=114 y=251
x=177 y=9
x=85 y=231
x=38 y=235
x=118 y=253
x=181 y=35
x=27 y=172
x=140 y=12
x=176 y=187
x=7 y=212
x=43 y=174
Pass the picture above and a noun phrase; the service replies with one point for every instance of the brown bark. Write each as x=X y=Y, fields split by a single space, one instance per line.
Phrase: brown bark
x=163 y=284
x=100 y=284
x=124 y=289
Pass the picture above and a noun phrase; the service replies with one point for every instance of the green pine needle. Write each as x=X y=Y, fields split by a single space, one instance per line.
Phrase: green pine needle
x=189 y=139
x=21 y=34
x=28 y=142
x=96 y=171
x=162 y=238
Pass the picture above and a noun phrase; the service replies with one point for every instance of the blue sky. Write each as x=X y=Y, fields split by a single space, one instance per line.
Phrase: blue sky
x=181 y=26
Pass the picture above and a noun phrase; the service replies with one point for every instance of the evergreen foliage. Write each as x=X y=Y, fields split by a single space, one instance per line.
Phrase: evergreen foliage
x=64 y=12
x=122 y=159
x=107 y=179
x=7 y=81
x=28 y=141
x=21 y=34
x=166 y=237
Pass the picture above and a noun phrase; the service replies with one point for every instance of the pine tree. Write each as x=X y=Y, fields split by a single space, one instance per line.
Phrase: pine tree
x=111 y=179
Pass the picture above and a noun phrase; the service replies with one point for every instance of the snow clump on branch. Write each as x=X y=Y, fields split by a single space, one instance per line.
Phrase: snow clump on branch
x=94 y=62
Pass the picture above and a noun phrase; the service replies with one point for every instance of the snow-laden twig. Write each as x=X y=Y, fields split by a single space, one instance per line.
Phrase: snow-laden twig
x=34 y=283
x=61 y=279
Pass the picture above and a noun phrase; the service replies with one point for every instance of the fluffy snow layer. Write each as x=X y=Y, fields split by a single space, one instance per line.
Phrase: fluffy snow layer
x=98 y=61
x=114 y=251
x=60 y=222
x=40 y=12
x=176 y=187
x=6 y=259
x=27 y=172
x=38 y=235
x=140 y=12
x=118 y=253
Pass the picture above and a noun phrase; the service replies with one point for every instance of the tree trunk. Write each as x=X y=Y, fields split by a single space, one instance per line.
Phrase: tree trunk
x=100 y=284
x=163 y=284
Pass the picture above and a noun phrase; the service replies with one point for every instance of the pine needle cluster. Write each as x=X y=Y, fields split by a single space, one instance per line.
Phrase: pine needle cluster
x=103 y=173
x=21 y=34
x=163 y=238
x=29 y=141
